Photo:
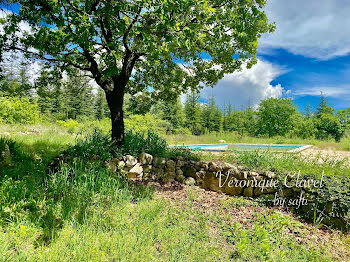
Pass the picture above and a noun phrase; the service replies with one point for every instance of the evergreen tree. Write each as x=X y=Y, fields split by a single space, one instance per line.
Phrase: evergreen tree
x=171 y=112
x=308 y=113
x=192 y=113
x=99 y=104
x=324 y=108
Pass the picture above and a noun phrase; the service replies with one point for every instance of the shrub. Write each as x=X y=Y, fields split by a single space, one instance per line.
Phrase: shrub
x=18 y=110
x=70 y=124
x=145 y=123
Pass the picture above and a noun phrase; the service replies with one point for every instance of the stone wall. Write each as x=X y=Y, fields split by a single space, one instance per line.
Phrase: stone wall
x=226 y=178
x=215 y=176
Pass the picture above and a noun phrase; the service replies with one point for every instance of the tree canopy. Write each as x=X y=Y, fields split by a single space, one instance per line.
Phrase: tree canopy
x=157 y=47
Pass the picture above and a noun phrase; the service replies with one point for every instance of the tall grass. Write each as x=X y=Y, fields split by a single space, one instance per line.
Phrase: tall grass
x=83 y=213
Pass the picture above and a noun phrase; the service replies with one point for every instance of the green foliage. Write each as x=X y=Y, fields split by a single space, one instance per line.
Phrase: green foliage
x=70 y=124
x=96 y=145
x=192 y=113
x=269 y=239
x=275 y=117
x=144 y=123
x=173 y=113
x=324 y=108
x=14 y=79
x=211 y=116
x=18 y=110
x=189 y=29
x=303 y=127
x=147 y=40
x=99 y=146
x=136 y=142
x=327 y=126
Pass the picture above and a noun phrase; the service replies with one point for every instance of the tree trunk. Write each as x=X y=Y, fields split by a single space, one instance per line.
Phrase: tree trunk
x=115 y=100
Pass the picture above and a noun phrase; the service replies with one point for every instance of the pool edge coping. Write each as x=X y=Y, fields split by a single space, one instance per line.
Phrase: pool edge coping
x=296 y=150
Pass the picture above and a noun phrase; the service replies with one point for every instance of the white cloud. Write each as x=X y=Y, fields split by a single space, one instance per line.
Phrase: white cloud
x=249 y=86
x=318 y=29
x=342 y=92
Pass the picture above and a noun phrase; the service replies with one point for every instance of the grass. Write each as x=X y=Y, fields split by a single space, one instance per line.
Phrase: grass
x=43 y=131
x=84 y=213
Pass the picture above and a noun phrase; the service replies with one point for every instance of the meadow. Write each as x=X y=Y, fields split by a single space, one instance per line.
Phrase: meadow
x=82 y=212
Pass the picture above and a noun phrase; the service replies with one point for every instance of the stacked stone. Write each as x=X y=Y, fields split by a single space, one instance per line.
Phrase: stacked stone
x=189 y=172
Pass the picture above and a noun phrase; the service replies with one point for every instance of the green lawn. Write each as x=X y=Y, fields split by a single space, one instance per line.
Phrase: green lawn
x=83 y=213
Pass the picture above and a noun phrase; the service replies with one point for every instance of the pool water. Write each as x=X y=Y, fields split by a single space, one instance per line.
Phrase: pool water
x=242 y=147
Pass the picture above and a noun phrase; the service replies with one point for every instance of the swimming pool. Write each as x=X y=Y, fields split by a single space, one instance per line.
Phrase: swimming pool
x=245 y=147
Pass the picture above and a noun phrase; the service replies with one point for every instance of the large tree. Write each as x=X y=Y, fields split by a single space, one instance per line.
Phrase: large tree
x=156 y=47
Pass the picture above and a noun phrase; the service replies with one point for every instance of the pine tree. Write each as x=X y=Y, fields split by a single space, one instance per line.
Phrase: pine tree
x=192 y=112
x=308 y=113
x=324 y=108
x=99 y=104
x=171 y=112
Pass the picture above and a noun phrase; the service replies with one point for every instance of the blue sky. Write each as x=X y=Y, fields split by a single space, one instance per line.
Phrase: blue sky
x=309 y=53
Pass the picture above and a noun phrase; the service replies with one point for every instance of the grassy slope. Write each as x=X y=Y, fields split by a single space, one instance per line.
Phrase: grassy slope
x=93 y=216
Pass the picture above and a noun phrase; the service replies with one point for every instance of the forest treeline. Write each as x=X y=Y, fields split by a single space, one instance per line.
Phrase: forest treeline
x=70 y=98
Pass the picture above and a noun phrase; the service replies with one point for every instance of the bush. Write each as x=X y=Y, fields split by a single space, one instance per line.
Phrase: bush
x=70 y=124
x=145 y=123
x=18 y=110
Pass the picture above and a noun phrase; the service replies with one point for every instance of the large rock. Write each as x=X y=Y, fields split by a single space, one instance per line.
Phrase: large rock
x=204 y=165
x=248 y=192
x=211 y=182
x=170 y=174
x=179 y=172
x=241 y=175
x=180 y=178
x=145 y=159
x=170 y=164
x=170 y=169
x=258 y=191
x=226 y=167
x=190 y=181
x=213 y=167
x=158 y=172
x=136 y=171
x=189 y=170
x=180 y=163
x=130 y=161
x=147 y=168
x=159 y=162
